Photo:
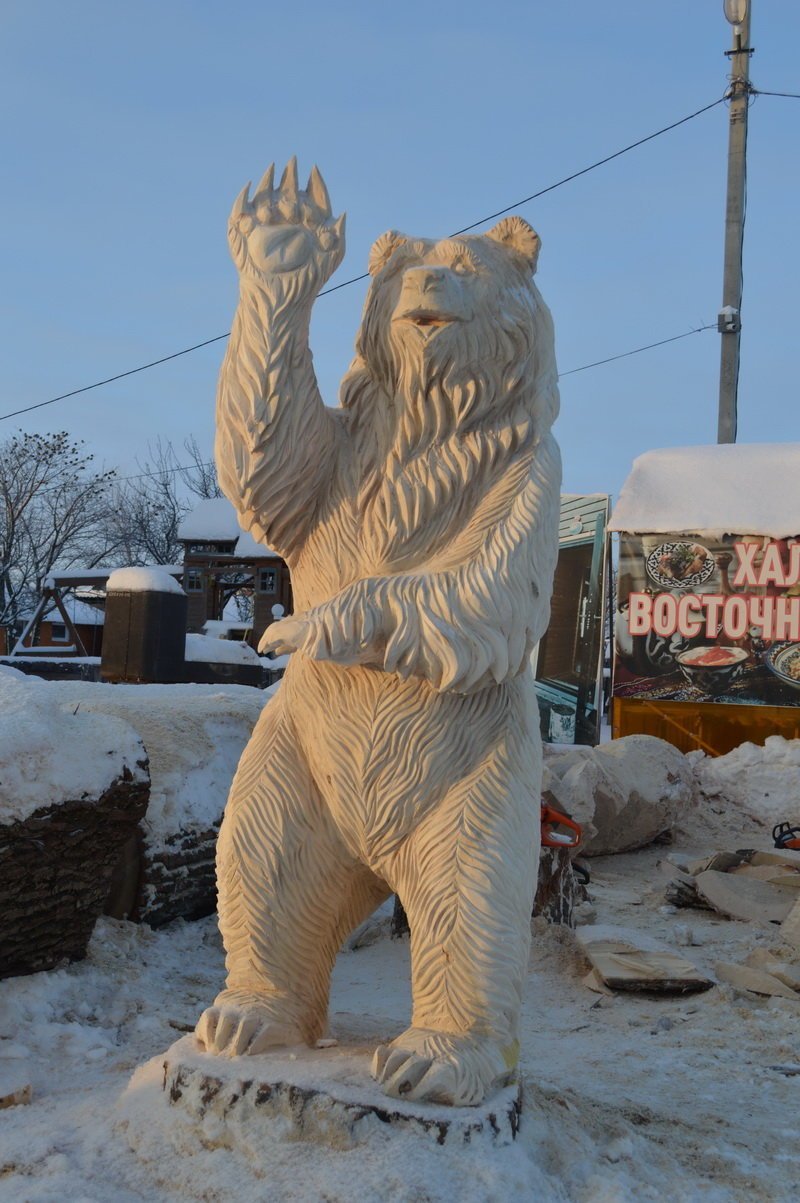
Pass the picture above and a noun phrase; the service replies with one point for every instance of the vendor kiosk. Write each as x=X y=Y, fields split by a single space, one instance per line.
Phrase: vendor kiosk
x=707 y=607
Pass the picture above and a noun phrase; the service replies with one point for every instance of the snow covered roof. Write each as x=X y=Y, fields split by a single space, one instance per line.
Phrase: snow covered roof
x=214 y=520
x=746 y=488
x=81 y=613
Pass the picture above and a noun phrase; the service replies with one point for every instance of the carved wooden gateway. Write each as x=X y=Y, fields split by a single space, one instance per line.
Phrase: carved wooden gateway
x=419 y=521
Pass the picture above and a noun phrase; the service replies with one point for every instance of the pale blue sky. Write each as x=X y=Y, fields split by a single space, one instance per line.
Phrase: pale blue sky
x=129 y=128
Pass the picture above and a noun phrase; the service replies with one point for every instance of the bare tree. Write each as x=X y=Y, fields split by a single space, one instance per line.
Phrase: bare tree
x=53 y=509
x=148 y=507
x=199 y=475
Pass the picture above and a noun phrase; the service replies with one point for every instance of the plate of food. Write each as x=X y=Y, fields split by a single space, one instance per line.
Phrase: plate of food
x=783 y=659
x=680 y=565
x=711 y=668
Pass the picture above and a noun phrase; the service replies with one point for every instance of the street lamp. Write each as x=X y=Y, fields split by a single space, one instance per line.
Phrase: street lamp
x=735 y=11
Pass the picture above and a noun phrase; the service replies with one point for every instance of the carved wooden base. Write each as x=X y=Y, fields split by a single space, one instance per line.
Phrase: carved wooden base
x=320 y=1095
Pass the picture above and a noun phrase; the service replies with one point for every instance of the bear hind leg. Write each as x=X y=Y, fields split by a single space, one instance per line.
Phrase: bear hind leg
x=289 y=892
x=467 y=881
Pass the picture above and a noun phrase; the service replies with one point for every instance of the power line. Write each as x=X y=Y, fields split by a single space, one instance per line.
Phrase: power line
x=365 y=275
x=637 y=350
x=114 y=480
x=110 y=379
x=600 y=162
x=759 y=92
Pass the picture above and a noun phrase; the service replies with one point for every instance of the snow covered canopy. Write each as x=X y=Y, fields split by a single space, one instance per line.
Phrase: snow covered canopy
x=213 y=520
x=749 y=488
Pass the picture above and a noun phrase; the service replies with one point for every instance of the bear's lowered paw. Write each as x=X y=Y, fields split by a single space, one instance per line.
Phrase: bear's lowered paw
x=427 y=1066
x=241 y=1024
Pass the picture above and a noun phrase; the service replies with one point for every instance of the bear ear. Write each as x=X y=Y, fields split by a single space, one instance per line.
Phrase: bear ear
x=383 y=249
x=517 y=235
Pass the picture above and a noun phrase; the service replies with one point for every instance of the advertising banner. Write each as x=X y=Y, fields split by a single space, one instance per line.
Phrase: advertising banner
x=702 y=619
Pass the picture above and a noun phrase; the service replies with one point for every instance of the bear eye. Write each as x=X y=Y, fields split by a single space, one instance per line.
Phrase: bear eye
x=462 y=267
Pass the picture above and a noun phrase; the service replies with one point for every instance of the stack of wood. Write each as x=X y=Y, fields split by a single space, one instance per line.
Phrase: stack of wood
x=178 y=881
x=57 y=869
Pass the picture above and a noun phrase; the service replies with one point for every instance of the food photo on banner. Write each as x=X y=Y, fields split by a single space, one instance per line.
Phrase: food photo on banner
x=708 y=619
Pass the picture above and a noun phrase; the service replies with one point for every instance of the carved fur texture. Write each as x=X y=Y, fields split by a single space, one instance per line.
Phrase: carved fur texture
x=420 y=523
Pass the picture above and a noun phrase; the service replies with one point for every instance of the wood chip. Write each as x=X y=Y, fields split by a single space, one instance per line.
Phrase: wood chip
x=777 y=856
x=745 y=897
x=629 y=960
x=14 y=1096
x=790 y=928
x=756 y=981
x=593 y=982
x=789 y=974
x=721 y=862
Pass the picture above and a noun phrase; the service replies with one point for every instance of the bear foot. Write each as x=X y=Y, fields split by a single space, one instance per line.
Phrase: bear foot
x=240 y=1023
x=427 y=1066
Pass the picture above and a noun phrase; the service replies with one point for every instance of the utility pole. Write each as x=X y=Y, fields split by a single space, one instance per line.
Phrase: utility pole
x=729 y=321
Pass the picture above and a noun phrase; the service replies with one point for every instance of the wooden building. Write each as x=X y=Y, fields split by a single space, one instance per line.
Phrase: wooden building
x=220 y=561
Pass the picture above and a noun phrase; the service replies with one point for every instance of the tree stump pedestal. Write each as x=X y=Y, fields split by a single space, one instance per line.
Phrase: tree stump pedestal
x=324 y=1096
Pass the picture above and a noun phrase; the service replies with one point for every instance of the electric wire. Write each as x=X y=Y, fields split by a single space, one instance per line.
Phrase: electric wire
x=761 y=92
x=365 y=275
x=638 y=350
x=115 y=480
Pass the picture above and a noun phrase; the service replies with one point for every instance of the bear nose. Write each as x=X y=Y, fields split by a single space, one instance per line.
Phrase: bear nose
x=429 y=278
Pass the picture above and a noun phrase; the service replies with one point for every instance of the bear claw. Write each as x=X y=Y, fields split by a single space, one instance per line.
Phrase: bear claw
x=434 y=1067
x=246 y=1027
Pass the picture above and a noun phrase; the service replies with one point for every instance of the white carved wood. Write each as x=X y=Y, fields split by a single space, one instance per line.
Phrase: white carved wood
x=420 y=523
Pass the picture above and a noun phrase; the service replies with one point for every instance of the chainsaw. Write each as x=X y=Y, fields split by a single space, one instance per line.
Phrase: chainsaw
x=786 y=836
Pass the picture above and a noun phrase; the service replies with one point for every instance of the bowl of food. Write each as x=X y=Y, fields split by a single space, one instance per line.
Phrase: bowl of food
x=783 y=660
x=680 y=565
x=712 y=669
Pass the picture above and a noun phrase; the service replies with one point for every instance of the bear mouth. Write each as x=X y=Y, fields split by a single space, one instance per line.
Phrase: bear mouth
x=428 y=319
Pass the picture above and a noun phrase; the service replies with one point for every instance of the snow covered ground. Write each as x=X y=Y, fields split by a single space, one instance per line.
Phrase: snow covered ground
x=627 y=1098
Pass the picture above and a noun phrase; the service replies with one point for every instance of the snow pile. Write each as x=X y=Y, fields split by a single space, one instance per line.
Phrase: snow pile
x=142 y=580
x=51 y=752
x=762 y=783
x=741 y=489
x=207 y=649
x=194 y=736
x=628 y=1099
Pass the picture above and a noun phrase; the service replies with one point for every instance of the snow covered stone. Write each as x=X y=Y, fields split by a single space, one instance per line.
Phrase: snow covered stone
x=324 y=1096
x=624 y=793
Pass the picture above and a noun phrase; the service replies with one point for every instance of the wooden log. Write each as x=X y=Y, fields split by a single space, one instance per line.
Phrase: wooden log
x=324 y=1096
x=57 y=869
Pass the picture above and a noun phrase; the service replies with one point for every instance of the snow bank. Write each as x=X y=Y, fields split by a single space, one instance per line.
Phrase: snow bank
x=51 y=752
x=742 y=488
x=208 y=649
x=628 y=1099
x=142 y=580
x=762 y=782
x=194 y=736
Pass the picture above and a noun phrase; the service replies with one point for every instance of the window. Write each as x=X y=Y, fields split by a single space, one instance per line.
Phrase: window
x=267 y=580
x=59 y=632
x=194 y=581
